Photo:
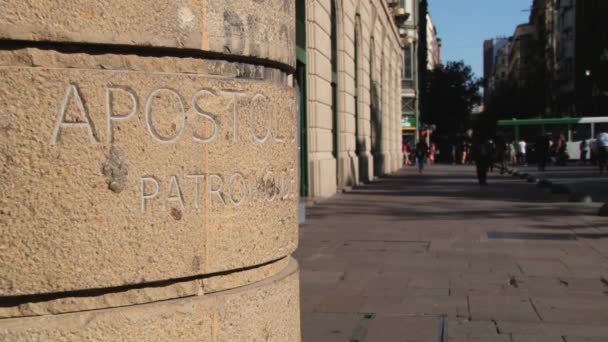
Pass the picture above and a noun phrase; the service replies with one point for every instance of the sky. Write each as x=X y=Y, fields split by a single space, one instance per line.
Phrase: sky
x=463 y=25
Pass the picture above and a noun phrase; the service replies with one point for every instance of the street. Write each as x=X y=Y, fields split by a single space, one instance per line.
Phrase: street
x=436 y=257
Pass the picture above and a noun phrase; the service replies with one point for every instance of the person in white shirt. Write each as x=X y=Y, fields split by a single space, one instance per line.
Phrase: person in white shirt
x=522 y=152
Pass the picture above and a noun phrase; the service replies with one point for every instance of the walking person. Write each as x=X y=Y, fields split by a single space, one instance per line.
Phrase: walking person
x=522 y=152
x=583 y=149
x=463 y=159
x=542 y=152
x=482 y=154
x=513 y=153
x=602 y=149
x=406 y=156
x=432 y=154
x=422 y=151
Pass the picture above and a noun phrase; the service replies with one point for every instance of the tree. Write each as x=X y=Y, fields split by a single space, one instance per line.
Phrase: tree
x=452 y=92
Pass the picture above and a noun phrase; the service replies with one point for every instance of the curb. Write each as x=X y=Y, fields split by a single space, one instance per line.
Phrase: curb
x=558 y=189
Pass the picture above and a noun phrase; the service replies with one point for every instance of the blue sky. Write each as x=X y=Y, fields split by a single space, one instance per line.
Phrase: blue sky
x=463 y=25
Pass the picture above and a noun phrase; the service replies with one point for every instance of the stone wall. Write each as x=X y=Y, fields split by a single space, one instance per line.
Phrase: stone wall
x=148 y=170
x=370 y=24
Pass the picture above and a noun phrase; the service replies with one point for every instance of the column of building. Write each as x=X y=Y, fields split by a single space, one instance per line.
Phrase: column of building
x=322 y=164
x=355 y=128
x=149 y=191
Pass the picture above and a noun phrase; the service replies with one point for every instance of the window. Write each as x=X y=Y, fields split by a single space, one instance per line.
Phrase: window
x=407 y=105
x=407 y=62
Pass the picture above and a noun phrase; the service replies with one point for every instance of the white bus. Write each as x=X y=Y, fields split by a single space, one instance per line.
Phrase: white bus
x=574 y=130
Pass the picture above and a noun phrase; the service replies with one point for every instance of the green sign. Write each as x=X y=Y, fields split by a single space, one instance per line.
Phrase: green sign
x=408 y=122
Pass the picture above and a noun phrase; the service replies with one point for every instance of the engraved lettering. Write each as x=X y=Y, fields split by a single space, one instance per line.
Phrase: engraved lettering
x=233 y=103
x=148 y=196
x=148 y=109
x=205 y=115
x=269 y=186
x=110 y=115
x=217 y=191
x=174 y=193
x=73 y=91
x=252 y=120
x=241 y=178
x=196 y=178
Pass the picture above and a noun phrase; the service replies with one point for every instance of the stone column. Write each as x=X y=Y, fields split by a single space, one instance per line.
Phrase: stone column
x=149 y=183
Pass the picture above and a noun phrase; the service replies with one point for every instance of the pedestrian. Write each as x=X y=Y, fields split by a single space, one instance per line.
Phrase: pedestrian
x=463 y=159
x=432 y=154
x=562 y=151
x=602 y=149
x=542 y=152
x=513 y=152
x=522 y=152
x=584 y=149
x=492 y=154
x=422 y=151
x=406 y=157
x=482 y=154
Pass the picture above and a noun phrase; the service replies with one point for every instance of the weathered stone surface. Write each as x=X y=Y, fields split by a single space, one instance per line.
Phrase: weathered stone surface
x=115 y=177
x=256 y=28
x=113 y=298
x=264 y=311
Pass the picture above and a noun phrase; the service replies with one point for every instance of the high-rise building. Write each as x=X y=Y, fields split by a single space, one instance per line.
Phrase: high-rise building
x=433 y=44
x=573 y=35
x=492 y=65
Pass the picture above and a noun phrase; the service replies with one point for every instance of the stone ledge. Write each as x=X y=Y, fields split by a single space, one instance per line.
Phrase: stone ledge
x=78 y=59
x=251 y=28
x=266 y=310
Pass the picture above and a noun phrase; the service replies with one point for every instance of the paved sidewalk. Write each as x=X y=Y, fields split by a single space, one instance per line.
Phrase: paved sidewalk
x=412 y=257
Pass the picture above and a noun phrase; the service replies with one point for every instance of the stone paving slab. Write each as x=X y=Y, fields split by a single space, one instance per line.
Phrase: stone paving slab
x=410 y=250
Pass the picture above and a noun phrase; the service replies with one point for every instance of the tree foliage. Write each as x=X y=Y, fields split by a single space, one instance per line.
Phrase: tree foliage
x=452 y=92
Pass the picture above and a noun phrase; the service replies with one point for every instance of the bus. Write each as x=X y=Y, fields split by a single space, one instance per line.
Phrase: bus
x=574 y=130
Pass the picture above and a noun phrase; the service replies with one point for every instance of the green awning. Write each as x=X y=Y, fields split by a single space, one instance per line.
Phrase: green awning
x=538 y=121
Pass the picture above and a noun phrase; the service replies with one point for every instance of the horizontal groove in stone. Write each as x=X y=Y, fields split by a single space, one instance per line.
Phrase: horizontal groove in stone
x=264 y=310
x=73 y=301
x=143 y=51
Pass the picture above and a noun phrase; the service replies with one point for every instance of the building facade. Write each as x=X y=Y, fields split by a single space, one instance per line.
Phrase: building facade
x=349 y=69
x=408 y=31
x=573 y=40
x=433 y=43
x=495 y=64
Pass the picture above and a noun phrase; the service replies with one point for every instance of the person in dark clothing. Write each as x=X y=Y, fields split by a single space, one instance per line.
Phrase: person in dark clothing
x=542 y=152
x=584 y=149
x=482 y=154
x=422 y=150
